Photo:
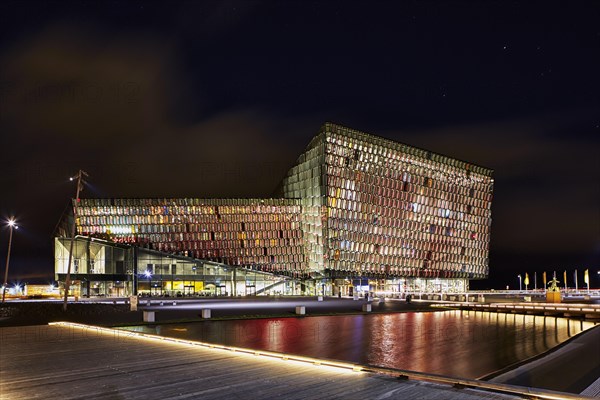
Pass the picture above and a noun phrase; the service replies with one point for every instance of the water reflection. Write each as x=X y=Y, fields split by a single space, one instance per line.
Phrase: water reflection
x=459 y=343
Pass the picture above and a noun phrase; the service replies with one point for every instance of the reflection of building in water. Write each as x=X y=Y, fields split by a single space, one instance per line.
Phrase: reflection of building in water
x=356 y=212
x=467 y=344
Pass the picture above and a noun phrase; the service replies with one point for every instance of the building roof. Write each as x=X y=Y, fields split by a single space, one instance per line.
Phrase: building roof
x=419 y=152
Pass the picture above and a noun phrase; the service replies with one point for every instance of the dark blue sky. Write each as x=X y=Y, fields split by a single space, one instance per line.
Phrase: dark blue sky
x=217 y=99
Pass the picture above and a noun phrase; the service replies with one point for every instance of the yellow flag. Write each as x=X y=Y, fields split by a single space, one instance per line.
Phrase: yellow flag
x=544 y=276
x=586 y=276
x=526 y=279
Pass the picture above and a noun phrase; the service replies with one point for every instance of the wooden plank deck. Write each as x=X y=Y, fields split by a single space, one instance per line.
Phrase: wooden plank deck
x=70 y=363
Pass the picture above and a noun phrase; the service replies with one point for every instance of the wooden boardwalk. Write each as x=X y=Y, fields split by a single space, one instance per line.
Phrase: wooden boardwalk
x=62 y=362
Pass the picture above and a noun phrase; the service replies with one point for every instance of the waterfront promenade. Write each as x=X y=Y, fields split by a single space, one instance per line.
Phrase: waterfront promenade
x=48 y=361
x=116 y=312
x=67 y=362
x=104 y=311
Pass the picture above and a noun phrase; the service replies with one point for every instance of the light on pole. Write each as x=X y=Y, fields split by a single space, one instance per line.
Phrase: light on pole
x=80 y=183
x=520 y=287
x=148 y=275
x=11 y=226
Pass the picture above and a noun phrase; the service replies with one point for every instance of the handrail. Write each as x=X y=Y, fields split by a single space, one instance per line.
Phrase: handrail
x=272 y=285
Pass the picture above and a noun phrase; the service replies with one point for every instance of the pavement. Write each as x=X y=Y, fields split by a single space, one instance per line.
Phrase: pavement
x=573 y=367
x=116 y=312
x=277 y=306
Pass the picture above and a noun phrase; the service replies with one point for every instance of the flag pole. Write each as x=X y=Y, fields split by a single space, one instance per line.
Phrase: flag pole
x=586 y=279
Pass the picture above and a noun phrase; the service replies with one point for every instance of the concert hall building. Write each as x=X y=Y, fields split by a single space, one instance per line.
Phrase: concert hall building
x=357 y=212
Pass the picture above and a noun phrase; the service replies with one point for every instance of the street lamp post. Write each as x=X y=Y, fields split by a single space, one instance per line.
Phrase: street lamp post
x=80 y=183
x=148 y=275
x=11 y=226
x=520 y=287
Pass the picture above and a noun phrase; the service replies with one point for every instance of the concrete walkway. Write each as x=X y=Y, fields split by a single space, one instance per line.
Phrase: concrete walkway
x=572 y=367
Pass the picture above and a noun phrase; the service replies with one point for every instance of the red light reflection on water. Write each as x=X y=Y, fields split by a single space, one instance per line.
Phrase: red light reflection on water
x=465 y=344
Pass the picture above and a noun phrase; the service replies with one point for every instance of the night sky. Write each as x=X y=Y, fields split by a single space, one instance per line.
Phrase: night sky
x=218 y=99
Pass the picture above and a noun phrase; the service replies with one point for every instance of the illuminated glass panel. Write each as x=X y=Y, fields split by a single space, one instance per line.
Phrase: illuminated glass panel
x=395 y=210
x=262 y=234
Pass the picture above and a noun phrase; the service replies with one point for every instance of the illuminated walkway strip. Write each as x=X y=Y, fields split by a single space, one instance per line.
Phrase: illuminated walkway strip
x=337 y=365
x=592 y=309
x=164 y=339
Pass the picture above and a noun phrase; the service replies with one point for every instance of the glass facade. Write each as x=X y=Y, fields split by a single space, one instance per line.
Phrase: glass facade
x=264 y=234
x=103 y=268
x=388 y=209
x=354 y=205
